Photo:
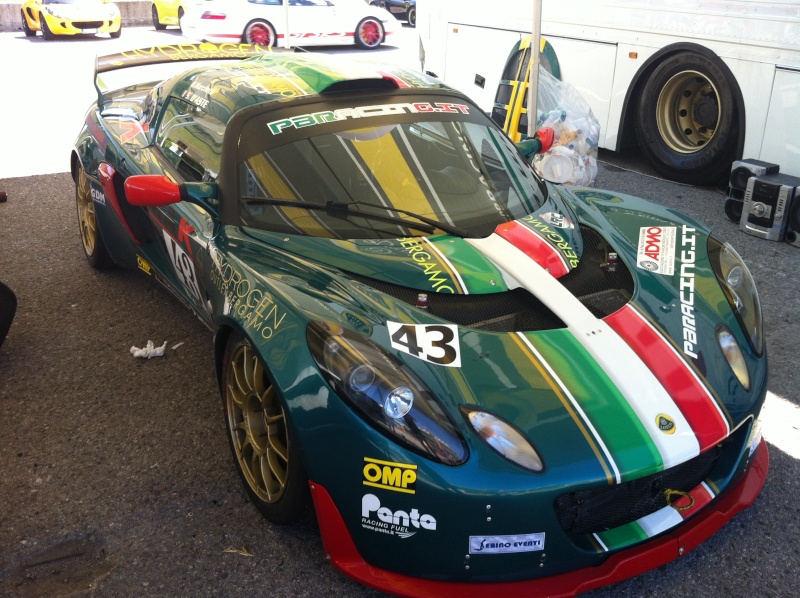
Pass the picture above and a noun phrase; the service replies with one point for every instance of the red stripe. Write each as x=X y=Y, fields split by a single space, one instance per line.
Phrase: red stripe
x=690 y=395
x=536 y=248
x=700 y=497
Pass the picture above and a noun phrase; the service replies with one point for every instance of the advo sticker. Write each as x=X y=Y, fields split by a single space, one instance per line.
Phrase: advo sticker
x=435 y=343
x=657 y=249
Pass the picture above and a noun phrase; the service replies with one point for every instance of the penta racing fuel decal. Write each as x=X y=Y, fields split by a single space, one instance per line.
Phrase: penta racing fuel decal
x=403 y=523
x=506 y=544
x=657 y=249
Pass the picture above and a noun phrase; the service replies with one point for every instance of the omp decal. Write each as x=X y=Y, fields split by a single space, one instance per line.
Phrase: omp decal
x=317 y=118
x=254 y=307
x=656 y=250
x=399 y=477
x=144 y=265
x=691 y=395
x=535 y=247
x=404 y=524
x=434 y=343
x=655 y=523
x=686 y=287
x=506 y=544
x=424 y=254
x=641 y=389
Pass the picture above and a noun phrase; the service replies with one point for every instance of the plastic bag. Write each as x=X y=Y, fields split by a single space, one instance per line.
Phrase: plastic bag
x=572 y=159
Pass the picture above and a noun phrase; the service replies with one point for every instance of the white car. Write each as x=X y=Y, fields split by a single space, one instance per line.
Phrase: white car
x=308 y=22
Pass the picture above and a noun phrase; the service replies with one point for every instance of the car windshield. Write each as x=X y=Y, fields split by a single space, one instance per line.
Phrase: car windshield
x=382 y=171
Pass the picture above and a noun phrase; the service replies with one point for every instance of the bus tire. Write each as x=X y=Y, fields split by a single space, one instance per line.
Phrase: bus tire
x=687 y=119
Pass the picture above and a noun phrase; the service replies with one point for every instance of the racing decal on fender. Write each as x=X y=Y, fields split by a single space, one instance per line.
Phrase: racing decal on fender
x=506 y=544
x=688 y=258
x=184 y=267
x=404 y=524
x=657 y=249
x=434 y=343
x=399 y=477
x=144 y=265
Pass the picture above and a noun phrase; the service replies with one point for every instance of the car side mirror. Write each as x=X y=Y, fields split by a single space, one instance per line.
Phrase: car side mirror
x=154 y=190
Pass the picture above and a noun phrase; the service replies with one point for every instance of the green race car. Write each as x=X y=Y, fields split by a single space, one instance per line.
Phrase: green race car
x=478 y=380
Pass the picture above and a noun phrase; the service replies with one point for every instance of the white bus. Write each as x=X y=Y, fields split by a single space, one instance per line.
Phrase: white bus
x=695 y=84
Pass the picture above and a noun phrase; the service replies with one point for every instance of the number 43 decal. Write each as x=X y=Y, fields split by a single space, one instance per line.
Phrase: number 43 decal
x=436 y=343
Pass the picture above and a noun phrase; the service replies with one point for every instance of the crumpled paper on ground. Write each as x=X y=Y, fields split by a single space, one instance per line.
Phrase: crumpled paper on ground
x=149 y=351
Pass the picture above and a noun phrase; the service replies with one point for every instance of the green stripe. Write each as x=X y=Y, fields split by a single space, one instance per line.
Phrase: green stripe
x=606 y=408
x=480 y=276
x=622 y=536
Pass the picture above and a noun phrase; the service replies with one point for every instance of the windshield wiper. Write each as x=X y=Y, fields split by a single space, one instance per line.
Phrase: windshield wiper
x=342 y=209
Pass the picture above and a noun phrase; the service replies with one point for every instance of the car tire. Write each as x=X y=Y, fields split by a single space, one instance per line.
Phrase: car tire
x=687 y=119
x=46 y=33
x=93 y=246
x=261 y=438
x=117 y=33
x=369 y=34
x=412 y=17
x=156 y=22
x=25 y=27
x=259 y=33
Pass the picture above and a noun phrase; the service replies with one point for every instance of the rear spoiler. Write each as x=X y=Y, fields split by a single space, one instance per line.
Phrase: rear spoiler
x=169 y=54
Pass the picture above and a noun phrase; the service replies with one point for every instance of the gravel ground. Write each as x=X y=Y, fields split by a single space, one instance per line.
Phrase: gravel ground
x=116 y=475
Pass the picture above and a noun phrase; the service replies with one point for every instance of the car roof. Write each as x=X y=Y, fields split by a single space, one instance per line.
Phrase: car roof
x=224 y=89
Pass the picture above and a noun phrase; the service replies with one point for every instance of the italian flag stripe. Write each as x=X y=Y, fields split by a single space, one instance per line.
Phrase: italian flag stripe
x=687 y=390
x=612 y=418
x=658 y=522
x=534 y=246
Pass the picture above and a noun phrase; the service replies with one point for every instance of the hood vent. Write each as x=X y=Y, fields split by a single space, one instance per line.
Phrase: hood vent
x=602 y=288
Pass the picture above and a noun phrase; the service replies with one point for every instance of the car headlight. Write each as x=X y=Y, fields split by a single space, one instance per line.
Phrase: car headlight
x=733 y=355
x=385 y=393
x=740 y=290
x=504 y=438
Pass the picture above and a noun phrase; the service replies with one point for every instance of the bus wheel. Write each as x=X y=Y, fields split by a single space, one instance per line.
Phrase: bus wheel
x=687 y=123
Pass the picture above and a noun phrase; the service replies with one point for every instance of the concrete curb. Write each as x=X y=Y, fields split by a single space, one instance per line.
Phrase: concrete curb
x=134 y=13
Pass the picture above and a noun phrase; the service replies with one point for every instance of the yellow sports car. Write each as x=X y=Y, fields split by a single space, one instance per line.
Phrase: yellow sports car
x=70 y=17
x=167 y=12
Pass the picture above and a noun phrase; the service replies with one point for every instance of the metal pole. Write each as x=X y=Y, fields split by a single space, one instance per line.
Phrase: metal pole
x=533 y=81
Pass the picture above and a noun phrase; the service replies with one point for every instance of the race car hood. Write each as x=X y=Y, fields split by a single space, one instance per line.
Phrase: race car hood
x=625 y=365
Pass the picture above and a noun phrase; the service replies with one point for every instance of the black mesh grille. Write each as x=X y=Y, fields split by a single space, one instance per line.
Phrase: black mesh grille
x=600 y=509
x=601 y=289
x=87 y=24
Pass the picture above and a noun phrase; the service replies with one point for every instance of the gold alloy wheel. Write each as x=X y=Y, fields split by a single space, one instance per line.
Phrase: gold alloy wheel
x=257 y=425
x=86 y=215
x=688 y=112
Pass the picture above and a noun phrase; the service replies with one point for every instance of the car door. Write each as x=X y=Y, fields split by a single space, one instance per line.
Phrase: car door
x=313 y=20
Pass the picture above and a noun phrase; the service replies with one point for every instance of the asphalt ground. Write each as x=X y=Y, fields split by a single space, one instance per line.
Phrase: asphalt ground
x=115 y=474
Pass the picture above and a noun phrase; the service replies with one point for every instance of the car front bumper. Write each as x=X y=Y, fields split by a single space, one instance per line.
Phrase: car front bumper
x=342 y=552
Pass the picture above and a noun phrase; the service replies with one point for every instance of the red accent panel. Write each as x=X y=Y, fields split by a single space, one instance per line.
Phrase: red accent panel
x=339 y=546
x=536 y=248
x=105 y=173
x=690 y=395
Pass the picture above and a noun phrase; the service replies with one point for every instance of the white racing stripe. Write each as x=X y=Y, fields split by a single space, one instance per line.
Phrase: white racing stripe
x=645 y=394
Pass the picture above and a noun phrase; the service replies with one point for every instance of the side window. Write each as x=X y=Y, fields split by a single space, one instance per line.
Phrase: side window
x=191 y=140
x=272 y=2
